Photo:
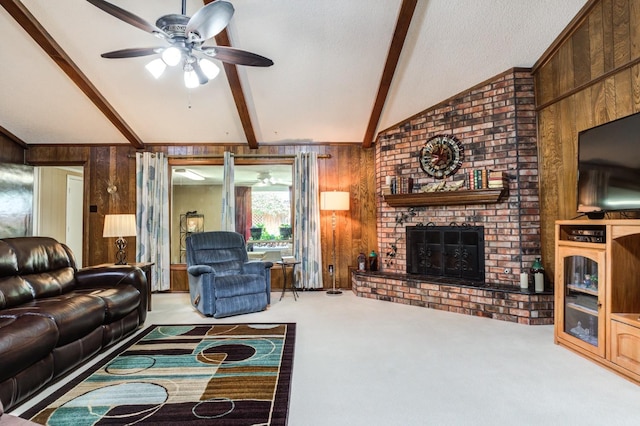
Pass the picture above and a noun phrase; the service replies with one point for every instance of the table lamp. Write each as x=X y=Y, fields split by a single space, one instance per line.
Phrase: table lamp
x=334 y=200
x=120 y=226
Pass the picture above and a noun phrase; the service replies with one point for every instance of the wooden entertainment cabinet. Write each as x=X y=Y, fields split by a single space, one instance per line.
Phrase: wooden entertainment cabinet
x=597 y=292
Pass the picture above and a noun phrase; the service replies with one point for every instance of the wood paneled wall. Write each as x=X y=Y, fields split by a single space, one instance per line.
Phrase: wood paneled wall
x=10 y=152
x=590 y=77
x=350 y=168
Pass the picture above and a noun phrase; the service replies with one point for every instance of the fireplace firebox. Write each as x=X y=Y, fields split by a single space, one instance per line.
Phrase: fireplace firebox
x=455 y=251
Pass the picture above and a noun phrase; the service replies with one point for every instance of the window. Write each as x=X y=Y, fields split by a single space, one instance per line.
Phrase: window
x=263 y=197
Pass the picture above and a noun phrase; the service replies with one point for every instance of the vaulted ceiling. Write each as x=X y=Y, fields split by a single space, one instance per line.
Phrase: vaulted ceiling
x=343 y=70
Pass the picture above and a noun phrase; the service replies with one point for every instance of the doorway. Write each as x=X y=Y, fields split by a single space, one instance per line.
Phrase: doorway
x=74 y=216
x=58 y=206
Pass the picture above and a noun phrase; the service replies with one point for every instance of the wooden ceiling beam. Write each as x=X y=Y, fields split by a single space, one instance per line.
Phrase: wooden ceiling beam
x=405 y=16
x=222 y=39
x=40 y=35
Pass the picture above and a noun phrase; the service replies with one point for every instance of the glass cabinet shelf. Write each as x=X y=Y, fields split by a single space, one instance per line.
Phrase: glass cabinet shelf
x=582 y=308
x=581 y=313
x=581 y=288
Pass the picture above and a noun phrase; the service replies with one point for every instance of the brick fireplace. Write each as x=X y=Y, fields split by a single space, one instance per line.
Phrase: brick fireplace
x=496 y=123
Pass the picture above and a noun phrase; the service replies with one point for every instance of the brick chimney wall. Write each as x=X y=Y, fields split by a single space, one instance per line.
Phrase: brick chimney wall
x=496 y=123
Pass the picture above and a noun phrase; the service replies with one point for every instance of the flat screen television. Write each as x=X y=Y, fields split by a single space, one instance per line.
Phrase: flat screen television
x=609 y=167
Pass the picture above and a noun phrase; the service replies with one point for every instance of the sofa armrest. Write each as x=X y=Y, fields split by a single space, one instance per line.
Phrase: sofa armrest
x=112 y=276
x=197 y=270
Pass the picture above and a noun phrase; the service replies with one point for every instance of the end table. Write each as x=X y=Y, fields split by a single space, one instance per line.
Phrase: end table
x=284 y=265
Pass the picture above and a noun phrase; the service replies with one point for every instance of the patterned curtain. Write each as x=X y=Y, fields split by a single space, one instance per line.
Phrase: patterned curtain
x=228 y=222
x=306 y=242
x=152 y=201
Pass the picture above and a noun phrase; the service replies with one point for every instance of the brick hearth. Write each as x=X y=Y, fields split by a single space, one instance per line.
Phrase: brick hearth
x=496 y=123
x=497 y=302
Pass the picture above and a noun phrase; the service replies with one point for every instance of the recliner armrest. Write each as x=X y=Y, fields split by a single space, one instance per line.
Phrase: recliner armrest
x=256 y=267
x=197 y=270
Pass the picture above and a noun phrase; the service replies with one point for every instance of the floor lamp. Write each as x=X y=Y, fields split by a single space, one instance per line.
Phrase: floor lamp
x=120 y=226
x=334 y=200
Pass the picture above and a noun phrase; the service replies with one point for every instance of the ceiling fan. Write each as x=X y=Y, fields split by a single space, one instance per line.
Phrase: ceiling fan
x=185 y=39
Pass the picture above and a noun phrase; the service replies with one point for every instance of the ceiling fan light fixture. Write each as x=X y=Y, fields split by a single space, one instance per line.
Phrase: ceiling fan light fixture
x=156 y=67
x=191 y=80
x=209 y=69
x=185 y=36
x=172 y=56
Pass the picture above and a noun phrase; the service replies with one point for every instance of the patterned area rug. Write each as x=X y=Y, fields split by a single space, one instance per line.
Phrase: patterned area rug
x=230 y=374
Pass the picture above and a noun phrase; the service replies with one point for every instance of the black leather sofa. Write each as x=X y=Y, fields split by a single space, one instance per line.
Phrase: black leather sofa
x=54 y=317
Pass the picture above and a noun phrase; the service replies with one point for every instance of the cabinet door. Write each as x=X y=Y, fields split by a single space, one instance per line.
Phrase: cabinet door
x=580 y=296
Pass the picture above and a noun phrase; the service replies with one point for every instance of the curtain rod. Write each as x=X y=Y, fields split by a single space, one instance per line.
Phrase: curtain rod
x=275 y=156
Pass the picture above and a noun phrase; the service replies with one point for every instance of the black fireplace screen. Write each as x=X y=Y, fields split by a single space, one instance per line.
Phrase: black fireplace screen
x=449 y=251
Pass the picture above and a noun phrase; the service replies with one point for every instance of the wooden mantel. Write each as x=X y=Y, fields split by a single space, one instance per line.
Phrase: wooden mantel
x=444 y=198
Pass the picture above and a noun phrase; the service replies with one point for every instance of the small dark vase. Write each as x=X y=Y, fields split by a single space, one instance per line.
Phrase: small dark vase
x=285 y=232
x=256 y=232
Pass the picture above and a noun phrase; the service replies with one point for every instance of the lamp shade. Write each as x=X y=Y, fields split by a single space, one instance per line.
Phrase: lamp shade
x=119 y=225
x=334 y=200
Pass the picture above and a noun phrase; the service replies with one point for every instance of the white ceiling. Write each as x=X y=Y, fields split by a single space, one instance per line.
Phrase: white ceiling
x=329 y=57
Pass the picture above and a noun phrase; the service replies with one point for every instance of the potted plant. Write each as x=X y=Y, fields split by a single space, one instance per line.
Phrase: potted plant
x=256 y=231
x=285 y=231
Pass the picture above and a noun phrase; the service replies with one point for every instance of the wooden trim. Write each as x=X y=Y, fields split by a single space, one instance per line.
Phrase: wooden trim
x=564 y=35
x=262 y=144
x=38 y=33
x=589 y=83
x=397 y=42
x=446 y=198
x=242 y=156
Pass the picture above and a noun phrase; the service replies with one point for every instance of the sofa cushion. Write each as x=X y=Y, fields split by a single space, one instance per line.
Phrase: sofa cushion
x=51 y=283
x=8 y=260
x=34 y=267
x=14 y=291
x=119 y=302
x=24 y=340
x=39 y=254
x=75 y=315
x=33 y=256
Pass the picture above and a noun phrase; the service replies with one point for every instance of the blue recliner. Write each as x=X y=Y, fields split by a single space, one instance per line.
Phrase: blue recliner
x=222 y=281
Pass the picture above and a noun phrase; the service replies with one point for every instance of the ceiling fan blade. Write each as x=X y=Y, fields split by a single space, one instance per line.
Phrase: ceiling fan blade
x=128 y=17
x=236 y=56
x=132 y=52
x=203 y=79
x=209 y=20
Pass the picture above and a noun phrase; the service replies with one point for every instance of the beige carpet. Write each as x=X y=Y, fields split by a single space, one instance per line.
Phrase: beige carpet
x=367 y=362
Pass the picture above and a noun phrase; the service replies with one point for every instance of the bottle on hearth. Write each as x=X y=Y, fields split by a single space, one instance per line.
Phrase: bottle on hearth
x=362 y=262
x=537 y=272
x=373 y=261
